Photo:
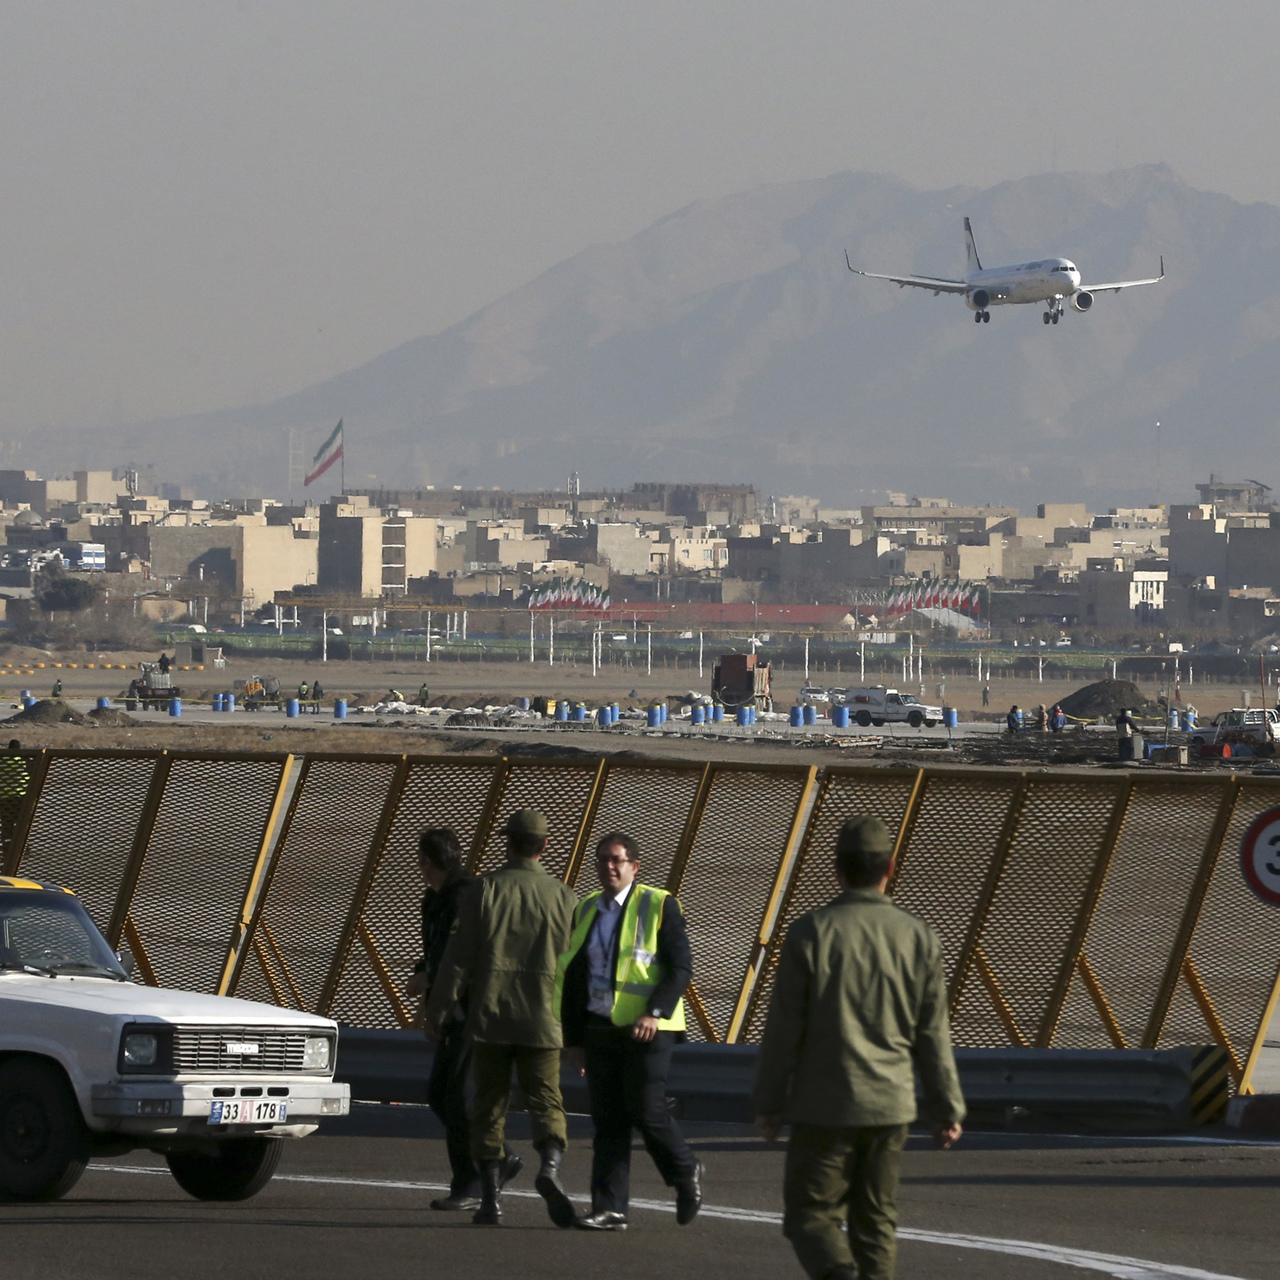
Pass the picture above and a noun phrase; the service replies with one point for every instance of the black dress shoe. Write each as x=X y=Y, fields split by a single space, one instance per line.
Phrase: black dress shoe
x=605 y=1220
x=452 y=1203
x=689 y=1195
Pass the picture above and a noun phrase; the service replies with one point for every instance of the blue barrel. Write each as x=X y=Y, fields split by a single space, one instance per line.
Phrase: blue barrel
x=840 y=717
x=27 y=701
x=175 y=706
x=950 y=717
x=1019 y=714
x=218 y=704
x=744 y=716
x=697 y=715
x=562 y=711
x=796 y=718
x=1188 y=720
x=717 y=713
x=662 y=712
x=1173 y=720
x=615 y=713
x=1241 y=751
x=340 y=708
x=104 y=704
x=604 y=717
x=580 y=713
x=228 y=702
x=653 y=717
x=291 y=708
x=26 y=693
x=810 y=713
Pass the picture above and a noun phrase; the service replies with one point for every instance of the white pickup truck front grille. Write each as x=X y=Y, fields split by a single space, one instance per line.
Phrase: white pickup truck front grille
x=249 y=1050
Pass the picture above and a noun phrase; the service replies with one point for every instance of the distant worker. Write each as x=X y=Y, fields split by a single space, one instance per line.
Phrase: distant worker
x=272 y=687
x=304 y=689
x=164 y=664
x=620 y=998
x=394 y=695
x=1057 y=719
x=1013 y=721
x=1126 y=725
x=1042 y=719
x=859 y=1008
x=440 y=864
x=57 y=689
x=513 y=925
x=423 y=694
x=986 y=694
x=14 y=780
x=316 y=691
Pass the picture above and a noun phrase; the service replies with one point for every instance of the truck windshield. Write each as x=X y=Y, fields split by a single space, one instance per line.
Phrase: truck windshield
x=52 y=933
x=909 y=697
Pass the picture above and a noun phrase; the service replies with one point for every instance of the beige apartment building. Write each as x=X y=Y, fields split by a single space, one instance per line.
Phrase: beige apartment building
x=370 y=552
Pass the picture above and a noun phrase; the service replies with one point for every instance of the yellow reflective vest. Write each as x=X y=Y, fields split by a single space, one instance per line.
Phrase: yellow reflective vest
x=638 y=973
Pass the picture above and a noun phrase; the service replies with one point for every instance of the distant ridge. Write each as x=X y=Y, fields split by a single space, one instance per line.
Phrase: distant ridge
x=728 y=343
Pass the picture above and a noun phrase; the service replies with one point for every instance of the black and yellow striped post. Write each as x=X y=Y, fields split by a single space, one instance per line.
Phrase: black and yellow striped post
x=1209 y=1083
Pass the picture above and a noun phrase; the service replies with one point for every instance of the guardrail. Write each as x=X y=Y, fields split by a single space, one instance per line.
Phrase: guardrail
x=1144 y=1089
x=1076 y=910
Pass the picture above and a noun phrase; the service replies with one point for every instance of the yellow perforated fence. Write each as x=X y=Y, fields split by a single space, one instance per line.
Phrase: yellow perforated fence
x=1076 y=910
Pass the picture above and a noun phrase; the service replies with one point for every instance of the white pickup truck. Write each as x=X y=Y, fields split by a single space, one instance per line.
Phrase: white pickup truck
x=878 y=705
x=92 y=1064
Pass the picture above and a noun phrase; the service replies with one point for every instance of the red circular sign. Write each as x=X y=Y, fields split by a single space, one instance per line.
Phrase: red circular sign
x=1260 y=856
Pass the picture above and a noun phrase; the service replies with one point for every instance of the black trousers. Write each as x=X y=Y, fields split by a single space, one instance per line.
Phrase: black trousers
x=447 y=1097
x=627 y=1084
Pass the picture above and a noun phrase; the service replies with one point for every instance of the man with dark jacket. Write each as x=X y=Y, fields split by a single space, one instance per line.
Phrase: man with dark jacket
x=620 y=996
x=440 y=864
x=859 y=1008
x=511 y=929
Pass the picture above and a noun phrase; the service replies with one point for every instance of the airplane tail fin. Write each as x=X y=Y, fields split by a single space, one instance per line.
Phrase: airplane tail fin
x=971 y=249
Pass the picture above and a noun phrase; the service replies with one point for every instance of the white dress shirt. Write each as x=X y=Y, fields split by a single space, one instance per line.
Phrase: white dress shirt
x=600 y=952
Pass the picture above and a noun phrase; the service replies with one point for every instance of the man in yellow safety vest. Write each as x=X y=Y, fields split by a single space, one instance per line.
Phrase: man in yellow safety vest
x=619 y=993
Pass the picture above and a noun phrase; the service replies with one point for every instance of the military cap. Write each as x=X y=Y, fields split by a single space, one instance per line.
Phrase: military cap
x=527 y=822
x=864 y=834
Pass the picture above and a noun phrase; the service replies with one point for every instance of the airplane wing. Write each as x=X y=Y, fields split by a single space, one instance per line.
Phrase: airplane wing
x=1117 y=285
x=918 y=282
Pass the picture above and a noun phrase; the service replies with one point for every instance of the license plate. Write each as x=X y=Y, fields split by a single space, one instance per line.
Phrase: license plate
x=248 y=1111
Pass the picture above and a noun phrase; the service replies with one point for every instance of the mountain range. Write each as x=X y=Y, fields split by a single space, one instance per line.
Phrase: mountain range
x=729 y=343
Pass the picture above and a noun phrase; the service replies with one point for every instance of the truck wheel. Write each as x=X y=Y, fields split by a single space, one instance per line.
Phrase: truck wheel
x=863 y=718
x=241 y=1168
x=44 y=1143
x=879 y=724
x=915 y=719
x=929 y=724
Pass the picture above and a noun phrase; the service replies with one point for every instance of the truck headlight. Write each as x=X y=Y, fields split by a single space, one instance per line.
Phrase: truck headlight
x=140 y=1050
x=316 y=1053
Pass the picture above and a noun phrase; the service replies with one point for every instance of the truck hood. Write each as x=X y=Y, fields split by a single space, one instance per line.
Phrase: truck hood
x=139 y=1003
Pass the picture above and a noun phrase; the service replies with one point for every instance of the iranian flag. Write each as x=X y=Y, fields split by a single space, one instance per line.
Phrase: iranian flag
x=326 y=455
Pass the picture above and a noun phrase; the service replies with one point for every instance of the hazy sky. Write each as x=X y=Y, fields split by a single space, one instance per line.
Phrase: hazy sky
x=206 y=204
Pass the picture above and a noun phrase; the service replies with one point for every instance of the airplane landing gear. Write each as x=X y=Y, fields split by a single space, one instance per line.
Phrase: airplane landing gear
x=982 y=317
x=1054 y=313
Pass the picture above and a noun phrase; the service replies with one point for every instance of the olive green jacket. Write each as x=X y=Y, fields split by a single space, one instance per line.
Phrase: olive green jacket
x=859 y=1007
x=510 y=929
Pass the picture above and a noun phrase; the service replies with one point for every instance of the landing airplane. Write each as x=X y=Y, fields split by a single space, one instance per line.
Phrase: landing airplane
x=1053 y=281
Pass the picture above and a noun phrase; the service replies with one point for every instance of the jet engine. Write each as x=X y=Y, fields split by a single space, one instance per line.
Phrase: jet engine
x=1082 y=301
x=979 y=299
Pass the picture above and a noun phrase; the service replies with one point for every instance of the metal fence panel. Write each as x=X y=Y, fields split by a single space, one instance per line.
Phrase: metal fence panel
x=734 y=873
x=651 y=801
x=841 y=793
x=83 y=824
x=206 y=851
x=299 y=926
x=1064 y=828
x=438 y=792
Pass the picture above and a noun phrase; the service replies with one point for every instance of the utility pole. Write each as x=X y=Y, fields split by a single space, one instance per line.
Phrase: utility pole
x=428 y=635
x=551 y=643
x=699 y=655
x=648 y=662
x=806 y=659
x=324 y=635
x=531 y=637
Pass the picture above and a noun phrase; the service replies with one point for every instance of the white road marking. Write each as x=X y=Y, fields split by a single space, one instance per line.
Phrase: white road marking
x=1109 y=1264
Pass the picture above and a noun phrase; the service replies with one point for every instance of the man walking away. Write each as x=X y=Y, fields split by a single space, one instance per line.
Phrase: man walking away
x=511 y=929
x=440 y=865
x=1057 y=720
x=1013 y=721
x=986 y=695
x=859 y=999
x=620 y=999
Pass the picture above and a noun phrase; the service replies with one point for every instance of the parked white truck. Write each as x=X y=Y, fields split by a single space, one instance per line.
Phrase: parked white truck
x=878 y=705
x=92 y=1064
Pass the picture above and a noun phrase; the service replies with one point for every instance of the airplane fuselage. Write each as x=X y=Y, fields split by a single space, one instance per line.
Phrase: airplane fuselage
x=1040 y=281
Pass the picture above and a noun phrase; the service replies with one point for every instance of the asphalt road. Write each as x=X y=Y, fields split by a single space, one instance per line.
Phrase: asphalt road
x=352 y=1202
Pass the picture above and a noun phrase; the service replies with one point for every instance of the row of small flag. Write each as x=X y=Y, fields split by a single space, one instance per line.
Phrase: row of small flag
x=569 y=593
x=963 y=597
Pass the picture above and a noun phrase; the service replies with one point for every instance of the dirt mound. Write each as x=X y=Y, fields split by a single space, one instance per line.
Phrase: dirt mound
x=110 y=718
x=468 y=720
x=1107 y=698
x=49 y=711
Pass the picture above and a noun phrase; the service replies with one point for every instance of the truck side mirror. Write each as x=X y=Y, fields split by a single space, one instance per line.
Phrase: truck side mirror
x=127 y=962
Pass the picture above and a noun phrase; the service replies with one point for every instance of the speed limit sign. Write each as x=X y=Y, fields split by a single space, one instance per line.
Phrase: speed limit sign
x=1260 y=856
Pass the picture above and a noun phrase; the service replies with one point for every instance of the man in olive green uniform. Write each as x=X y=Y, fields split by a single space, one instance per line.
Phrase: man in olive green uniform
x=859 y=999
x=512 y=925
